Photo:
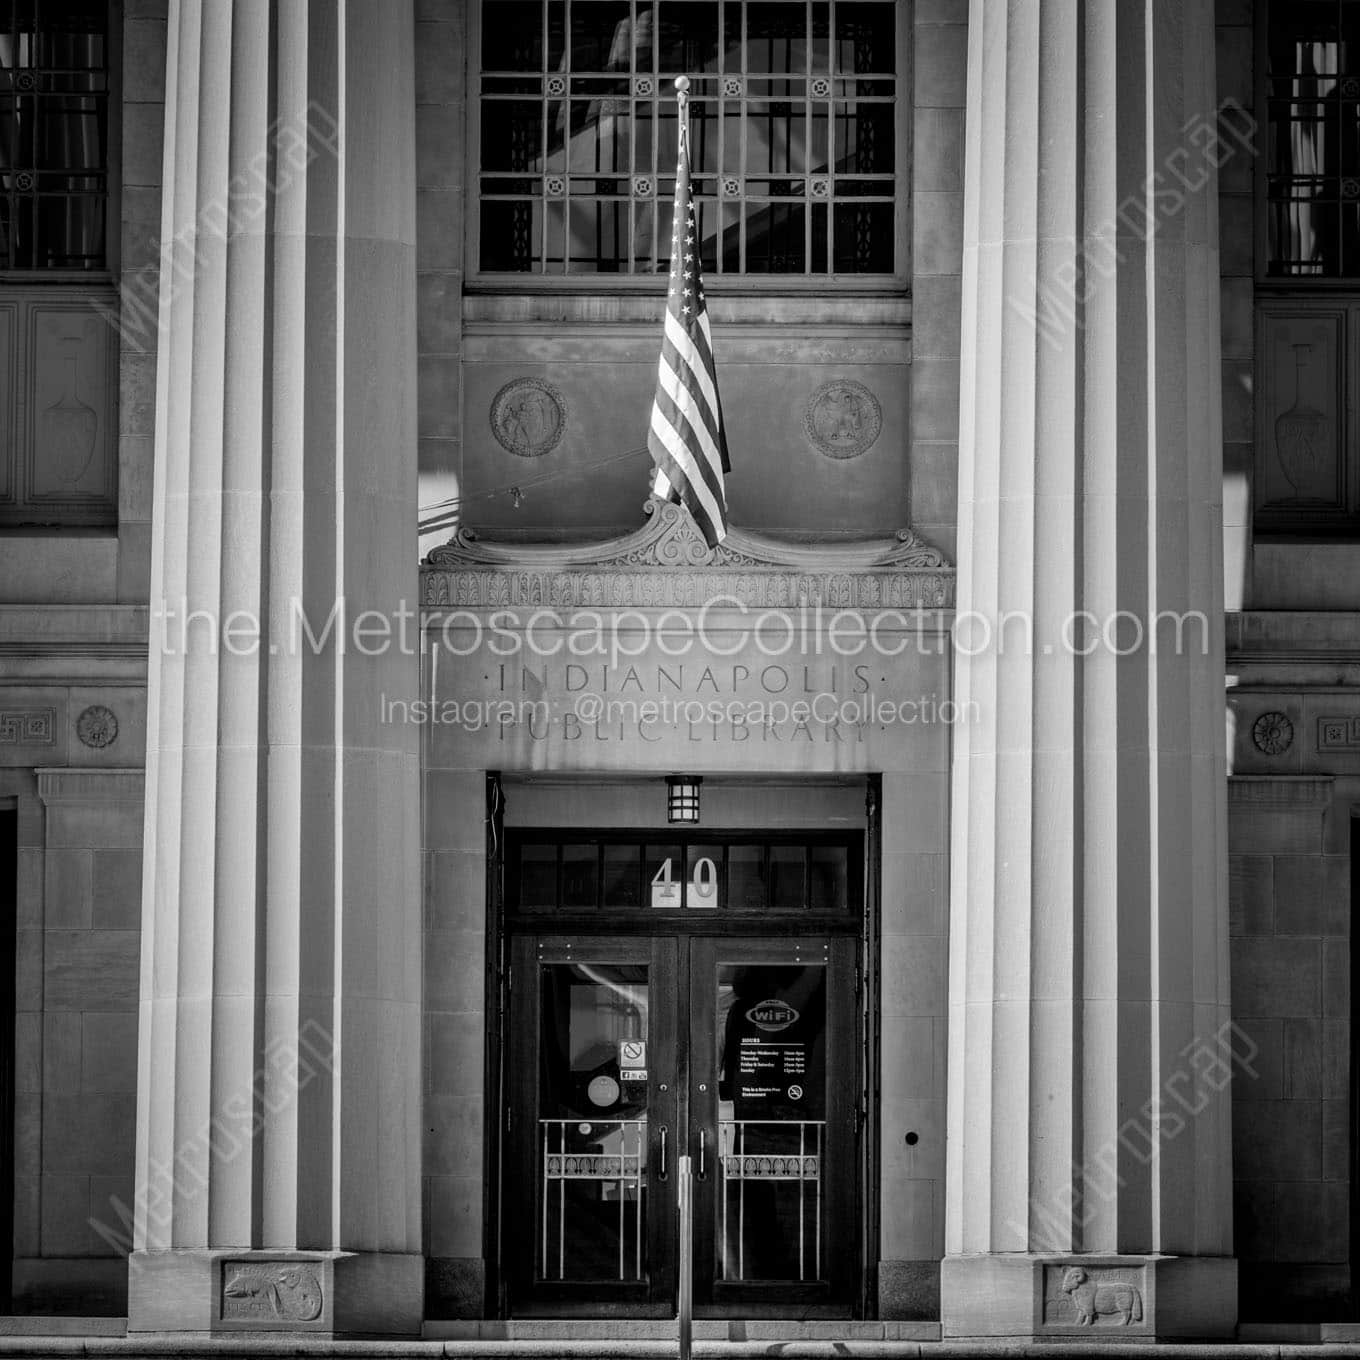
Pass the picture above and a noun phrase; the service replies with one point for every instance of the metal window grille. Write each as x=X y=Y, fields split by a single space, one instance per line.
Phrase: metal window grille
x=54 y=113
x=792 y=116
x=1312 y=168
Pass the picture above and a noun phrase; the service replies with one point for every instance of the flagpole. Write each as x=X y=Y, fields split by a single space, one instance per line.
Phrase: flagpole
x=682 y=98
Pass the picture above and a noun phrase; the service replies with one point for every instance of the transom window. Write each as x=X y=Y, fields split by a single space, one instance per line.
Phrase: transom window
x=684 y=871
x=54 y=115
x=793 y=134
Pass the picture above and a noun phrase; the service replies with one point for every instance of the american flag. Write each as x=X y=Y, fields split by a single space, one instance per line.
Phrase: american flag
x=686 y=436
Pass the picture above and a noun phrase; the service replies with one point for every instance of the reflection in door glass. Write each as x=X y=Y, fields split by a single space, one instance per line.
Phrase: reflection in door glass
x=771 y=1035
x=593 y=1122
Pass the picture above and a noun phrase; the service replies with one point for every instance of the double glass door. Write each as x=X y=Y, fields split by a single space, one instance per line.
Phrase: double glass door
x=626 y=1053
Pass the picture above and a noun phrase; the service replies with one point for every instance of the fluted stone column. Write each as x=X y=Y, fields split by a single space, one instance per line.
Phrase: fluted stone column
x=1089 y=1156
x=278 y=1141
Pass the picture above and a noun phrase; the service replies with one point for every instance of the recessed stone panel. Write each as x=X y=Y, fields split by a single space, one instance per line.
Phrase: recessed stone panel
x=564 y=417
x=1095 y=1297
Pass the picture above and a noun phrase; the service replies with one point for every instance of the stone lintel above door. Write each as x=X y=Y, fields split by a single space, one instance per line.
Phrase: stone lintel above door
x=666 y=563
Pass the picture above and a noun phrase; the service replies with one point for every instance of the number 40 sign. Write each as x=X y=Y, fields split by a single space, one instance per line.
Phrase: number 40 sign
x=703 y=886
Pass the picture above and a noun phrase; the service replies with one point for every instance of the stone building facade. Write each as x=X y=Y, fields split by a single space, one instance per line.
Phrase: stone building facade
x=363 y=979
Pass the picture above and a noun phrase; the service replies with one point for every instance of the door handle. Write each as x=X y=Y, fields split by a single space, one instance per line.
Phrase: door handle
x=661 y=1171
x=703 y=1175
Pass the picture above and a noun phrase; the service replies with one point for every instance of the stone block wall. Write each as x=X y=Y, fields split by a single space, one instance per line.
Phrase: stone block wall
x=454 y=1041
x=913 y=1005
x=1290 y=899
x=939 y=80
x=442 y=61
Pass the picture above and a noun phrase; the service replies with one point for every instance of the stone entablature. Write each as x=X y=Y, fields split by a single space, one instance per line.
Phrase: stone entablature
x=667 y=564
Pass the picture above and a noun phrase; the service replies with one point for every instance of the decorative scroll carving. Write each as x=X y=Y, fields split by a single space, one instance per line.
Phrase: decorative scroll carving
x=843 y=418
x=97 y=727
x=28 y=726
x=1338 y=734
x=1272 y=734
x=270 y=1290
x=666 y=563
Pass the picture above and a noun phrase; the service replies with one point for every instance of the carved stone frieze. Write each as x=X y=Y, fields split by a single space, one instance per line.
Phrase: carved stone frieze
x=1338 y=734
x=667 y=564
x=28 y=726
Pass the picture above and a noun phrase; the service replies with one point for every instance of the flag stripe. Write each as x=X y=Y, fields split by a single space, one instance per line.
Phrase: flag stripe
x=697 y=413
x=686 y=434
x=683 y=468
x=700 y=452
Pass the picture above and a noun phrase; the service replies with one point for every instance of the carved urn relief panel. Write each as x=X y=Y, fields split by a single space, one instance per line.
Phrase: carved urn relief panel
x=9 y=315
x=1305 y=474
x=58 y=405
x=1304 y=439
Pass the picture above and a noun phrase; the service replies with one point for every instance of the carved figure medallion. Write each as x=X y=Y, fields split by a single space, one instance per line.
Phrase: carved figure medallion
x=843 y=418
x=528 y=417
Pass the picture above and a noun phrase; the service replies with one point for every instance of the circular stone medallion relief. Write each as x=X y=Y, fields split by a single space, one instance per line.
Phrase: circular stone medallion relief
x=97 y=726
x=1272 y=734
x=843 y=418
x=528 y=416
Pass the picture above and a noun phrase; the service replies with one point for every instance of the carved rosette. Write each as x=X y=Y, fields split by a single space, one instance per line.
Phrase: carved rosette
x=528 y=417
x=270 y=1291
x=97 y=727
x=1272 y=734
x=843 y=418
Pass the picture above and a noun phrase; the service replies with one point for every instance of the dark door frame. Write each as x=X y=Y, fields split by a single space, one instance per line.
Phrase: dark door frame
x=862 y=926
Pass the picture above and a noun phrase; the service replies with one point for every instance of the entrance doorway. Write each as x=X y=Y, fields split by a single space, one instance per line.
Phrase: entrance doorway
x=725 y=1029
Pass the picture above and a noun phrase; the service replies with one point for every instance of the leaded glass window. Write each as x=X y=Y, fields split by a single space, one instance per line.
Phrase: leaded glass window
x=54 y=114
x=793 y=134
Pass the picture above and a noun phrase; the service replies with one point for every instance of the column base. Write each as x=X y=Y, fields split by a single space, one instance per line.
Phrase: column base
x=314 y=1292
x=1109 y=1298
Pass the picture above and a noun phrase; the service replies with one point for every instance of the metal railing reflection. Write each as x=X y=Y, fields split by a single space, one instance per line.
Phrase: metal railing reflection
x=770 y=1153
x=610 y=1154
